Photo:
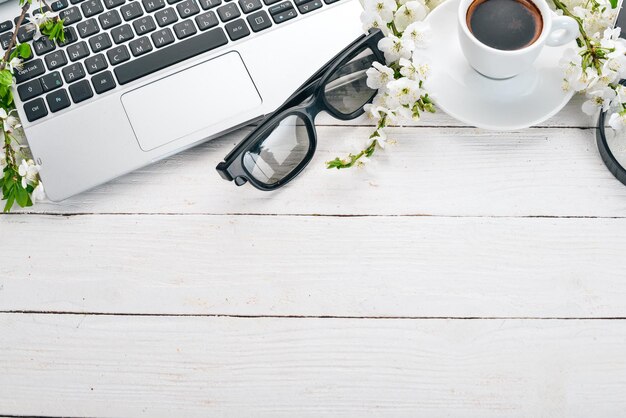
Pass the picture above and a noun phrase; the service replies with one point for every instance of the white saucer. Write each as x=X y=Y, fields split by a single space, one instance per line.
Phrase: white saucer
x=519 y=102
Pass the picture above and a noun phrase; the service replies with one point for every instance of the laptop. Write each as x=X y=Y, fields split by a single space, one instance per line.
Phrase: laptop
x=139 y=80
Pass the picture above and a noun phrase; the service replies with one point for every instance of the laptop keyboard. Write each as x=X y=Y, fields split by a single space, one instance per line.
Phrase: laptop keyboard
x=114 y=42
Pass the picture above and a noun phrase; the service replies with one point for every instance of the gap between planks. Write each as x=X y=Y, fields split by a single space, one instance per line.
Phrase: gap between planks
x=268 y=316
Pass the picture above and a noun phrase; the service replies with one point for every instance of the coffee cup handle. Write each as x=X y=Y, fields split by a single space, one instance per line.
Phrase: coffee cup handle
x=564 y=30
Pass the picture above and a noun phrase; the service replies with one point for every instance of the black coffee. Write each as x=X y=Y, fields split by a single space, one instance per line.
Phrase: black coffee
x=505 y=24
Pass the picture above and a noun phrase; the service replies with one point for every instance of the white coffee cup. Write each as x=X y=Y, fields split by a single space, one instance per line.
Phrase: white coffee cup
x=500 y=64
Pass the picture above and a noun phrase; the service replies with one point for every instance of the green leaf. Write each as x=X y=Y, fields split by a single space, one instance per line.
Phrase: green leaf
x=21 y=195
x=6 y=78
x=613 y=4
x=24 y=51
x=9 y=204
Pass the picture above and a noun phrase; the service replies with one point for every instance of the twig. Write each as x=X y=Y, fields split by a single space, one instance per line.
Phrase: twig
x=18 y=24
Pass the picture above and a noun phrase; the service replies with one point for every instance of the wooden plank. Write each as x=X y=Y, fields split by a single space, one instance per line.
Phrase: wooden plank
x=537 y=172
x=203 y=366
x=295 y=265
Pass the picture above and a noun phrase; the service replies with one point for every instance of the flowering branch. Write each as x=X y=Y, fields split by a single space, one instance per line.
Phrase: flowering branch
x=597 y=65
x=401 y=95
x=20 y=182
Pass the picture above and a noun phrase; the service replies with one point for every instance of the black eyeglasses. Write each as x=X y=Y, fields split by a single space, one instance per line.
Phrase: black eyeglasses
x=284 y=143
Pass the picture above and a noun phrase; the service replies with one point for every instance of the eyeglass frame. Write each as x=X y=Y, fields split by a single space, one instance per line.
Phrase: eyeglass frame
x=306 y=102
x=614 y=166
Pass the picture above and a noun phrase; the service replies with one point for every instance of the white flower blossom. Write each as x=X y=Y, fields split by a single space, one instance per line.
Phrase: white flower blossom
x=419 y=33
x=617 y=121
x=418 y=68
x=10 y=121
x=384 y=8
x=394 y=48
x=38 y=193
x=14 y=63
x=404 y=91
x=371 y=19
x=37 y=20
x=408 y=13
x=378 y=76
x=28 y=170
x=599 y=98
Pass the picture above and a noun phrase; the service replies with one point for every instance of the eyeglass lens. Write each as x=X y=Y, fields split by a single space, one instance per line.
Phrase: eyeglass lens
x=276 y=155
x=346 y=90
x=616 y=141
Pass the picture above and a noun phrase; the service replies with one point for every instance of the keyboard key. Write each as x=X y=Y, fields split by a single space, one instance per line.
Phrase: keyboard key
x=237 y=29
x=30 y=70
x=81 y=91
x=110 y=4
x=284 y=16
x=43 y=45
x=249 y=6
x=162 y=37
x=187 y=8
x=152 y=5
x=5 y=26
x=281 y=7
x=25 y=34
x=330 y=1
x=228 y=12
x=206 y=20
x=40 y=8
x=58 y=100
x=26 y=19
x=87 y=28
x=110 y=19
x=77 y=51
x=100 y=42
x=70 y=36
x=310 y=6
x=35 y=110
x=171 y=55
x=259 y=21
x=59 y=5
x=96 y=63
x=270 y=2
x=118 y=55
x=208 y=4
x=5 y=39
x=92 y=7
x=185 y=29
x=55 y=60
x=70 y=16
x=51 y=81
x=75 y=1
x=166 y=16
x=73 y=72
x=144 y=25
x=29 y=90
x=122 y=34
x=103 y=82
x=140 y=46
x=173 y=1
x=131 y=10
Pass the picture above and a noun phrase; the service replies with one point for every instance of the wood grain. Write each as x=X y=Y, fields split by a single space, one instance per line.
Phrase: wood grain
x=326 y=266
x=202 y=366
x=434 y=171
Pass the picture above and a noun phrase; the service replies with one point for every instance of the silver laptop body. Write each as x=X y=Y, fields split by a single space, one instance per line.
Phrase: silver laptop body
x=140 y=118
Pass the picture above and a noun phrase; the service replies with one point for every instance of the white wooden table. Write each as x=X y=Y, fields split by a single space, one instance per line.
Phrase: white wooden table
x=462 y=273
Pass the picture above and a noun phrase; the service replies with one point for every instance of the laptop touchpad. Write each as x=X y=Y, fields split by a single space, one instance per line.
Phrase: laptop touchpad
x=190 y=100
